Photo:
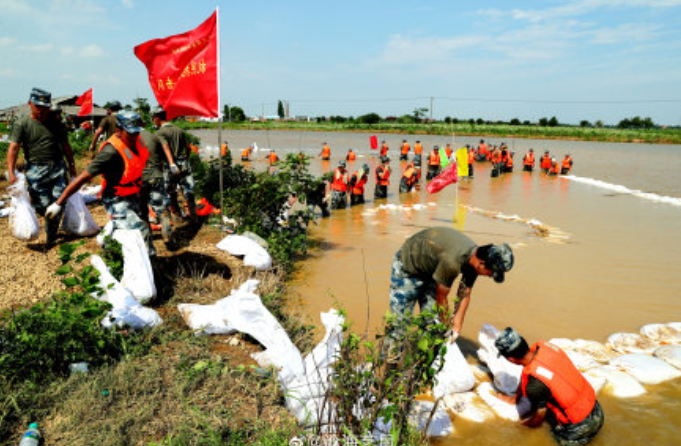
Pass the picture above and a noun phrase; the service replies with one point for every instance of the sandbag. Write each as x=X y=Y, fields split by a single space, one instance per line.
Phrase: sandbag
x=596 y=382
x=469 y=406
x=661 y=333
x=138 y=276
x=587 y=351
x=646 y=369
x=507 y=411
x=91 y=193
x=6 y=212
x=456 y=375
x=581 y=361
x=618 y=383
x=107 y=230
x=254 y=255
x=440 y=424
x=671 y=354
x=23 y=222
x=77 y=217
x=631 y=343
x=506 y=374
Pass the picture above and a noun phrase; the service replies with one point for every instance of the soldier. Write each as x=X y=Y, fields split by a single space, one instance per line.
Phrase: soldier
x=339 y=187
x=356 y=185
x=154 y=192
x=106 y=125
x=45 y=145
x=177 y=151
x=382 y=178
x=120 y=161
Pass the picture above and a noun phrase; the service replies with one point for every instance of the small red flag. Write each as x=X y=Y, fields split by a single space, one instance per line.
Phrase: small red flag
x=373 y=140
x=446 y=178
x=184 y=70
x=85 y=102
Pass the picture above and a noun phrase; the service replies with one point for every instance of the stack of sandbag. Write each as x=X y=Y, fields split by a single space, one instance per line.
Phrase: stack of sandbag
x=23 y=222
x=254 y=255
x=506 y=374
x=126 y=311
x=455 y=376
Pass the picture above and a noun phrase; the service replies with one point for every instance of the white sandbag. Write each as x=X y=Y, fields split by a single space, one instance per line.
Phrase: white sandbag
x=136 y=318
x=488 y=335
x=91 y=193
x=505 y=410
x=138 y=276
x=6 y=212
x=584 y=354
x=661 y=333
x=581 y=361
x=646 y=369
x=107 y=230
x=594 y=349
x=440 y=424
x=313 y=412
x=671 y=354
x=456 y=375
x=618 y=383
x=23 y=222
x=675 y=325
x=77 y=218
x=469 y=406
x=506 y=374
x=596 y=382
x=206 y=319
x=631 y=343
x=254 y=254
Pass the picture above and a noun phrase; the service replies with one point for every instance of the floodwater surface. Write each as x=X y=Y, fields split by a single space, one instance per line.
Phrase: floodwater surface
x=610 y=261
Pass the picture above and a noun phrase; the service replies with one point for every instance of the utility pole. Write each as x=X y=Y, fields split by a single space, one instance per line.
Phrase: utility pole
x=431 y=108
x=262 y=112
x=287 y=110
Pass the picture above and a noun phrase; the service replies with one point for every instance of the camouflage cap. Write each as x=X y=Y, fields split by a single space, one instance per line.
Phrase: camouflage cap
x=500 y=260
x=366 y=168
x=129 y=121
x=385 y=159
x=41 y=98
x=508 y=341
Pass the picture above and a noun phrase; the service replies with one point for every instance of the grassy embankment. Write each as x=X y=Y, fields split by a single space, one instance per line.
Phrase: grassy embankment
x=652 y=136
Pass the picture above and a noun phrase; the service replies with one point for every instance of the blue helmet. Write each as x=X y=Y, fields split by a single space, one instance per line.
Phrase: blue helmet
x=129 y=121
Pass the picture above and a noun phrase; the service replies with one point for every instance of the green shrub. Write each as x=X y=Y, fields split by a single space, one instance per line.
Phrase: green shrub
x=80 y=143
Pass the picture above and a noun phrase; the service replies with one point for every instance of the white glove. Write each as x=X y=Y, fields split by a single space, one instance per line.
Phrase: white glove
x=454 y=337
x=52 y=211
x=174 y=169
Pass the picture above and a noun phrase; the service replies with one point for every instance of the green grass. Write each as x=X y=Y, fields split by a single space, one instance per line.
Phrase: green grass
x=606 y=134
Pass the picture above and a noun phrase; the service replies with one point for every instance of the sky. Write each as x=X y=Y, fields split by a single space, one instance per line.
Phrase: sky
x=574 y=59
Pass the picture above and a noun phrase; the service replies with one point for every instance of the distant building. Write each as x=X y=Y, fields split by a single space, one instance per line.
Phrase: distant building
x=68 y=107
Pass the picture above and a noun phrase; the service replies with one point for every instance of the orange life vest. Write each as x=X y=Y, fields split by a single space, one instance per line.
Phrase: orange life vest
x=273 y=158
x=545 y=162
x=384 y=150
x=340 y=180
x=496 y=156
x=529 y=159
x=448 y=151
x=410 y=174
x=509 y=161
x=131 y=181
x=434 y=159
x=418 y=148
x=194 y=149
x=556 y=168
x=360 y=181
x=405 y=148
x=383 y=175
x=326 y=152
x=482 y=150
x=567 y=163
x=471 y=156
x=224 y=150
x=573 y=397
x=245 y=153
x=351 y=156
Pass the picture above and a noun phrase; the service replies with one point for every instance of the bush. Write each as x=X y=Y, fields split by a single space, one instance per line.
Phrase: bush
x=370 y=118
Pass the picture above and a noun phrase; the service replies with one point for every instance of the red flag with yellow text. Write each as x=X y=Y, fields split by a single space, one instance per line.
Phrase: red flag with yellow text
x=85 y=102
x=184 y=70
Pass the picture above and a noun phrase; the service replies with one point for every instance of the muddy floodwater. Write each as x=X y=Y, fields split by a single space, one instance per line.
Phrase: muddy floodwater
x=596 y=253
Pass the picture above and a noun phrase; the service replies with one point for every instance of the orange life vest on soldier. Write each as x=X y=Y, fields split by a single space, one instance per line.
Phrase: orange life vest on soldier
x=573 y=397
x=496 y=156
x=418 y=148
x=273 y=158
x=246 y=152
x=556 y=168
x=509 y=161
x=482 y=150
x=529 y=159
x=360 y=181
x=383 y=175
x=471 y=156
x=384 y=150
x=434 y=159
x=340 y=180
x=131 y=181
x=567 y=163
x=448 y=151
x=351 y=156
x=545 y=162
x=326 y=152
x=405 y=148
x=410 y=174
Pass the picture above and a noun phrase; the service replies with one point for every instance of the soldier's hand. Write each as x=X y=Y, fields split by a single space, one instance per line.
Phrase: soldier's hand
x=174 y=169
x=72 y=171
x=52 y=211
x=11 y=177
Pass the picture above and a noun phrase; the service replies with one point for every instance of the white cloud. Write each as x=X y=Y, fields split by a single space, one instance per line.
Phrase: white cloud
x=127 y=4
x=41 y=48
x=8 y=72
x=627 y=32
x=66 y=50
x=403 y=50
x=4 y=41
x=93 y=50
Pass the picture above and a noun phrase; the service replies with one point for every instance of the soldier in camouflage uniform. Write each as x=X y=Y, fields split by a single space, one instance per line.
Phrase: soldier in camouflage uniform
x=45 y=145
x=120 y=160
x=177 y=150
x=424 y=270
x=107 y=125
x=154 y=191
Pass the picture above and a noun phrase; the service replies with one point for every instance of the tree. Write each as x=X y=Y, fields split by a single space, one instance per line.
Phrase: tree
x=553 y=122
x=235 y=113
x=584 y=123
x=479 y=121
x=515 y=121
x=420 y=113
x=280 y=110
x=143 y=108
x=599 y=124
x=369 y=118
x=448 y=120
x=543 y=122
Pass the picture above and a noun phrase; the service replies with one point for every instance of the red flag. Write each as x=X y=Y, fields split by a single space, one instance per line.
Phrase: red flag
x=85 y=102
x=373 y=141
x=446 y=178
x=184 y=70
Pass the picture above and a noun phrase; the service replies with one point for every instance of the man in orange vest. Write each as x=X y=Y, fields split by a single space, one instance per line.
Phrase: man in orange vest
x=495 y=157
x=528 y=161
x=508 y=165
x=246 y=154
x=545 y=163
x=410 y=176
x=384 y=149
x=556 y=390
x=356 y=185
x=339 y=187
x=272 y=157
x=382 y=178
x=325 y=153
x=566 y=165
x=418 y=148
x=350 y=156
x=555 y=167
x=471 y=160
x=121 y=161
x=404 y=151
x=433 y=164
x=482 y=151
x=448 y=150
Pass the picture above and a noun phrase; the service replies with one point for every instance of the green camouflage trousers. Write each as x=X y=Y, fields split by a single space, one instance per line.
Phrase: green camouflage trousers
x=46 y=182
x=185 y=180
x=582 y=432
x=154 y=194
x=339 y=200
x=125 y=214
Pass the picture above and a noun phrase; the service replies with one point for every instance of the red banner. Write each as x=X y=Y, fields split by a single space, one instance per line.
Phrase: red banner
x=443 y=180
x=85 y=102
x=373 y=141
x=184 y=70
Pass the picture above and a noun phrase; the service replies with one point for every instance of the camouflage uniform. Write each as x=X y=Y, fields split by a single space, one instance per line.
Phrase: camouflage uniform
x=125 y=214
x=154 y=194
x=185 y=180
x=46 y=182
x=579 y=433
x=339 y=200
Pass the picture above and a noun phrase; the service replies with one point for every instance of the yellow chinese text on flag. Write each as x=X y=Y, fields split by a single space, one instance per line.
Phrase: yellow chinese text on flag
x=462 y=162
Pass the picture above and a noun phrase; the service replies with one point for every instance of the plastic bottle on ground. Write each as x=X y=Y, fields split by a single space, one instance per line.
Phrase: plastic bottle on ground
x=31 y=437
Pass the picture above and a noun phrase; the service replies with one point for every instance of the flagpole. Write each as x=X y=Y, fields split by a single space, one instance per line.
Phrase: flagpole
x=220 y=118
